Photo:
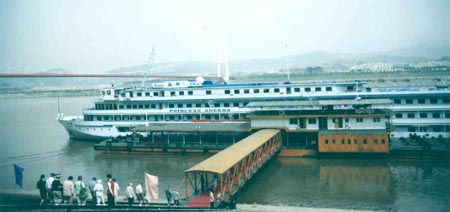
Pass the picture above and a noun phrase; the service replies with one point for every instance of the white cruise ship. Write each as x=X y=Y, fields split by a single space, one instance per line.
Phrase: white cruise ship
x=199 y=106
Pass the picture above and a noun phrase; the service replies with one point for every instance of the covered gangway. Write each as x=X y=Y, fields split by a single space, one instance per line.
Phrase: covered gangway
x=227 y=171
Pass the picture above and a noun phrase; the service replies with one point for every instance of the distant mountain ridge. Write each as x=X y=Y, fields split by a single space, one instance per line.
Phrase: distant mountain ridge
x=414 y=53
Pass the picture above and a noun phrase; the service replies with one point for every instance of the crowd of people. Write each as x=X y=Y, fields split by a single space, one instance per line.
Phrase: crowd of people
x=54 y=191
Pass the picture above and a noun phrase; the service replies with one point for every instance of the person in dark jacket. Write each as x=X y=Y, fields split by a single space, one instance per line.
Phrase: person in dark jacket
x=42 y=189
x=57 y=189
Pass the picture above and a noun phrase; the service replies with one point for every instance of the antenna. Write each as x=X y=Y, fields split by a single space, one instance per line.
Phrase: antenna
x=287 y=65
x=149 y=64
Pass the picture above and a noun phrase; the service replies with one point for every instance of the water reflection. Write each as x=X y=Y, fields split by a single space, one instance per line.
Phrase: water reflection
x=322 y=183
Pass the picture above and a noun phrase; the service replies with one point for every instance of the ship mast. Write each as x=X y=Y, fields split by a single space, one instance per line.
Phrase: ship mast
x=149 y=64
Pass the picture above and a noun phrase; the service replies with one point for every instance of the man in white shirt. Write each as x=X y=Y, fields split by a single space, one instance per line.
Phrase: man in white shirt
x=48 y=185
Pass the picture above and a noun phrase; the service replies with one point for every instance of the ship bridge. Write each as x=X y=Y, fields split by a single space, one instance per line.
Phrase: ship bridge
x=227 y=171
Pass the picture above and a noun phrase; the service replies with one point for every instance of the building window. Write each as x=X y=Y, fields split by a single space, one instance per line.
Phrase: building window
x=172 y=93
x=359 y=120
x=276 y=90
x=436 y=115
x=383 y=141
x=423 y=115
x=180 y=105
x=216 y=104
x=246 y=91
x=433 y=101
x=226 y=104
x=297 y=90
x=141 y=106
x=375 y=141
x=227 y=91
x=411 y=115
x=155 y=94
x=236 y=104
x=208 y=92
x=349 y=141
x=147 y=93
x=237 y=91
x=409 y=101
x=329 y=89
x=188 y=105
x=181 y=93
x=317 y=89
x=447 y=115
x=139 y=94
x=421 y=101
x=198 y=105
x=364 y=141
x=376 y=119
x=355 y=141
x=293 y=121
x=333 y=141
x=255 y=90
x=397 y=101
x=399 y=115
x=436 y=128
x=307 y=89
x=171 y=105
x=342 y=141
x=326 y=141
x=266 y=90
x=411 y=129
x=446 y=100
x=312 y=121
x=190 y=93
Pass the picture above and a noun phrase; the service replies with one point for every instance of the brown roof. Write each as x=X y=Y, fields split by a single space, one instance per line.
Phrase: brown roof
x=227 y=158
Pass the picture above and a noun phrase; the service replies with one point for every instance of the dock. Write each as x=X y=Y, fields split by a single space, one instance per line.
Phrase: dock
x=225 y=173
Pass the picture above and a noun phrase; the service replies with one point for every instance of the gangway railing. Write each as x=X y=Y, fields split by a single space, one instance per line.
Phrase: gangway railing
x=226 y=172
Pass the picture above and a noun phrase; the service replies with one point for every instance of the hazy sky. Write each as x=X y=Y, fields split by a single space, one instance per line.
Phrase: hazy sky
x=95 y=36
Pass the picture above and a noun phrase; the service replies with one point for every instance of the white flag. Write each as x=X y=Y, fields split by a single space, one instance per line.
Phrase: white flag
x=151 y=186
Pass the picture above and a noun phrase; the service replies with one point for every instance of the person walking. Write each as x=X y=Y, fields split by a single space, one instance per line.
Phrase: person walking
x=98 y=189
x=130 y=194
x=169 y=196
x=116 y=191
x=80 y=191
x=140 y=194
x=41 y=185
x=110 y=192
x=91 y=189
x=48 y=184
x=57 y=189
x=176 y=198
x=211 y=198
x=68 y=190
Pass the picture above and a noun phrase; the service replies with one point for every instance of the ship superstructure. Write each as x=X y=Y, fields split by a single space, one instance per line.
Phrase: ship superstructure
x=315 y=112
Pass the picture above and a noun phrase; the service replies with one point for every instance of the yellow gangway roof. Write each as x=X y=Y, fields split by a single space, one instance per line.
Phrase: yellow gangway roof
x=227 y=158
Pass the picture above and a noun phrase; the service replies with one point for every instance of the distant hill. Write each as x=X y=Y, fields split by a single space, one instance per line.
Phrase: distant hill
x=423 y=50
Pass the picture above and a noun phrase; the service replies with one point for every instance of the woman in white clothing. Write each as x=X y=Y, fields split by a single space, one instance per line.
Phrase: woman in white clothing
x=98 y=188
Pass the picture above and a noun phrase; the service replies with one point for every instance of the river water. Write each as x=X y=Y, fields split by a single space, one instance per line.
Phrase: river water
x=33 y=139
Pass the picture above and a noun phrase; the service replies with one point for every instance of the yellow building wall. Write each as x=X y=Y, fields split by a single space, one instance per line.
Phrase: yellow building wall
x=373 y=143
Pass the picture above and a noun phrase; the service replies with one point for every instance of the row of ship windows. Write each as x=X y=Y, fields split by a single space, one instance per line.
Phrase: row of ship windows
x=160 y=117
x=423 y=115
x=422 y=101
x=355 y=141
x=436 y=128
x=228 y=91
x=159 y=106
